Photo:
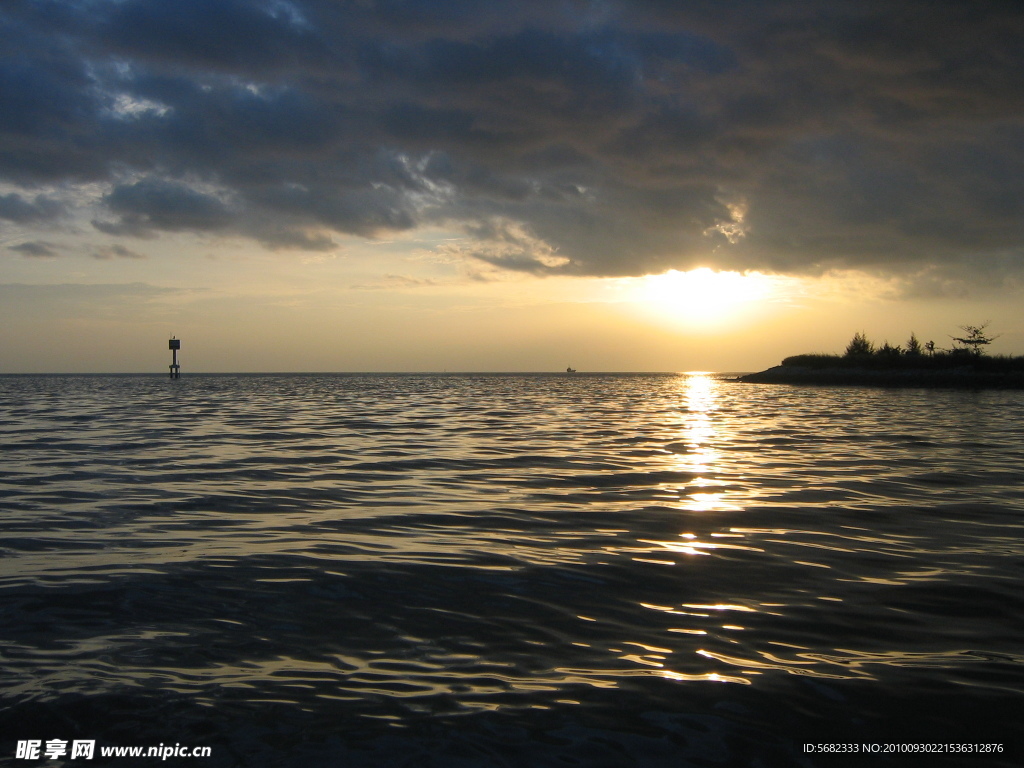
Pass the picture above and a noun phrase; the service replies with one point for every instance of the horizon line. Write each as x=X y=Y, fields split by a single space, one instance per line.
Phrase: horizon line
x=369 y=373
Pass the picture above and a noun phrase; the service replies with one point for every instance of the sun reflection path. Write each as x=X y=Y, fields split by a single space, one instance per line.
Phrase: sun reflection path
x=700 y=402
x=701 y=634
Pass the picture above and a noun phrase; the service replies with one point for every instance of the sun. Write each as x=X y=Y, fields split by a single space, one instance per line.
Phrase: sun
x=702 y=297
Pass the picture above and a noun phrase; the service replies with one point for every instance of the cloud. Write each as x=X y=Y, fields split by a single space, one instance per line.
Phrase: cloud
x=116 y=251
x=612 y=138
x=393 y=282
x=510 y=245
x=158 y=204
x=209 y=34
x=87 y=293
x=37 y=249
x=14 y=207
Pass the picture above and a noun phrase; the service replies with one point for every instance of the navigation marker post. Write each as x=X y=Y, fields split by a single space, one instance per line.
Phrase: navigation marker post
x=174 y=345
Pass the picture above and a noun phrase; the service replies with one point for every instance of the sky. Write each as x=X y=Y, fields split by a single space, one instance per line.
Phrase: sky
x=428 y=185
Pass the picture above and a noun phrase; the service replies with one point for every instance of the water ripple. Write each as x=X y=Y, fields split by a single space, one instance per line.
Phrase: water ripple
x=648 y=560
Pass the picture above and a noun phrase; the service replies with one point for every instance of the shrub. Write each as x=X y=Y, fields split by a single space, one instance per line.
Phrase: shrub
x=914 y=347
x=859 y=345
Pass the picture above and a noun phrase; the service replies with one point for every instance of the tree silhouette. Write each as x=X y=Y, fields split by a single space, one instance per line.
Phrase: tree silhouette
x=975 y=338
x=859 y=345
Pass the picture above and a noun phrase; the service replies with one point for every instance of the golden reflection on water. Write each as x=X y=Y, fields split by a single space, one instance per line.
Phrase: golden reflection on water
x=696 y=452
x=699 y=434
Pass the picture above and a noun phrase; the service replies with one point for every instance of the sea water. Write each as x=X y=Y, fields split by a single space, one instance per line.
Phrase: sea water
x=510 y=570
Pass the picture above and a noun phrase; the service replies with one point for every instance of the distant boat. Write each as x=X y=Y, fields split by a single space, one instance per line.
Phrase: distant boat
x=570 y=370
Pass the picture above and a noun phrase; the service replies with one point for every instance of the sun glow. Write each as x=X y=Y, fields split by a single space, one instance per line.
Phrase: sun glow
x=702 y=297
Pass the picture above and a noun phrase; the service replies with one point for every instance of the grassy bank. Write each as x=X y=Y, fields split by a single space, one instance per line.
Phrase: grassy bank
x=940 y=361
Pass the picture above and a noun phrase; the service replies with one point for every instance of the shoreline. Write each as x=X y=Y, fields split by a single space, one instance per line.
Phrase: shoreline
x=964 y=377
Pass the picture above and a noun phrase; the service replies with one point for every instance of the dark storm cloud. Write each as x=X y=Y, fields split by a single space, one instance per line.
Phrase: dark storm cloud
x=224 y=35
x=157 y=204
x=584 y=138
